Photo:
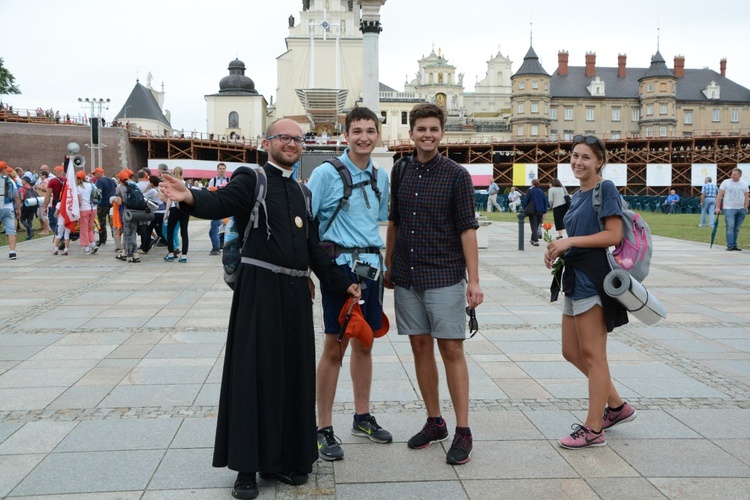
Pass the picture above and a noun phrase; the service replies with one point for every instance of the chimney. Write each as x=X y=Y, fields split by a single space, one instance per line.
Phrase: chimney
x=679 y=66
x=723 y=66
x=621 y=58
x=591 y=64
x=562 y=63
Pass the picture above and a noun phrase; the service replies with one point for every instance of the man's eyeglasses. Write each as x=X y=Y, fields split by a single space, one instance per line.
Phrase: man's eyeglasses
x=588 y=139
x=286 y=139
x=473 y=323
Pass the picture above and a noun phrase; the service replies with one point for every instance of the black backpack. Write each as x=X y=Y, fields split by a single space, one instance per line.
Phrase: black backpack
x=134 y=198
x=349 y=188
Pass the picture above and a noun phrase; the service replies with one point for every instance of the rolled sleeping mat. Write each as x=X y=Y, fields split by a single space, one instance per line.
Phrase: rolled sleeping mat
x=639 y=302
x=33 y=202
x=137 y=215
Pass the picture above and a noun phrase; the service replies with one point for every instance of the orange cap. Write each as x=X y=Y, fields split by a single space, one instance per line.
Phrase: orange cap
x=123 y=175
x=98 y=170
x=385 y=325
x=3 y=164
x=58 y=169
x=80 y=174
x=357 y=327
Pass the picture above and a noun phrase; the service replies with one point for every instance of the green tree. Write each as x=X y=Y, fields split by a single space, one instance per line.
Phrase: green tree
x=7 y=81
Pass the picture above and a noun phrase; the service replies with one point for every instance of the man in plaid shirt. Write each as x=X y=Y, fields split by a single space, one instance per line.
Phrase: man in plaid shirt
x=431 y=245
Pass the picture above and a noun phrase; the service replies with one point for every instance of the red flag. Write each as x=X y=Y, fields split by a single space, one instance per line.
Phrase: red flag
x=70 y=210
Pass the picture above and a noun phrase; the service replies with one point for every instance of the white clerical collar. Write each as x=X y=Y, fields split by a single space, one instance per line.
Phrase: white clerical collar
x=284 y=172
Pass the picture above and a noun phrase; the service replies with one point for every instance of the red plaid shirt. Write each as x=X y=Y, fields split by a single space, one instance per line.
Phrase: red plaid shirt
x=431 y=205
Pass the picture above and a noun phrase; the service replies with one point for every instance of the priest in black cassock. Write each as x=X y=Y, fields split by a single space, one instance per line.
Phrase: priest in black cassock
x=266 y=419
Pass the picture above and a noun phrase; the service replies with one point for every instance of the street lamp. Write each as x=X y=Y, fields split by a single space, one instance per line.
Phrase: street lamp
x=95 y=118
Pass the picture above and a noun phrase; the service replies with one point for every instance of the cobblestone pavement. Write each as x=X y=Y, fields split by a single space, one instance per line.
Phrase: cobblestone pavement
x=109 y=377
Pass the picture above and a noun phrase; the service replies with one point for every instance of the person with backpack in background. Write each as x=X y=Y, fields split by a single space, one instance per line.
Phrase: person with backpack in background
x=11 y=207
x=588 y=312
x=217 y=182
x=535 y=206
x=53 y=195
x=29 y=205
x=266 y=417
x=124 y=196
x=350 y=199
x=88 y=213
x=175 y=216
x=107 y=187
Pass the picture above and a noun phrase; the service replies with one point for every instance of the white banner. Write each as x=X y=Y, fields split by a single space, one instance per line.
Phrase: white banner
x=658 y=174
x=699 y=172
x=617 y=173
x=745 y=167
x=565 y=175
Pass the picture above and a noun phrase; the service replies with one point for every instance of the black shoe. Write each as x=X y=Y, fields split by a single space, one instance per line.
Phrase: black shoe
x=535 y=243
x=737 y=249
x=460 y=451
x=245 y=486
x=292 y=478
x=214 y=252
x=430 y=433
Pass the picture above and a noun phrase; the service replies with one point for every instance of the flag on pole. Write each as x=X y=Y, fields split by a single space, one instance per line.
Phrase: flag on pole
x=70 y=210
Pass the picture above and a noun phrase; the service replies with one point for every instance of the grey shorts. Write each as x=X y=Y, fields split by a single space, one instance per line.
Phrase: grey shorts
x=440 y=312
x=580 y=306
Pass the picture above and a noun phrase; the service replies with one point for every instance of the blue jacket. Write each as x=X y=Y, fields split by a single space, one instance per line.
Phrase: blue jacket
x=540 y=200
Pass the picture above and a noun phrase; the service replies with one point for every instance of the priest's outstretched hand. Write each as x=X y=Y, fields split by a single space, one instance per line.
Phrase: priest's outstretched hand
x=176 y=190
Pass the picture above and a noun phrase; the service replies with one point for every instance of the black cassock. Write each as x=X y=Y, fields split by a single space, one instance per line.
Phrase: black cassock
x=266 y=417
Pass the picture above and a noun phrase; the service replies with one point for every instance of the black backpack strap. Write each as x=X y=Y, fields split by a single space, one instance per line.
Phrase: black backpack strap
x=346 y=178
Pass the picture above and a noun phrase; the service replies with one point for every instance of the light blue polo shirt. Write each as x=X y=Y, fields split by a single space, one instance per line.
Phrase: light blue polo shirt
x=357 y=225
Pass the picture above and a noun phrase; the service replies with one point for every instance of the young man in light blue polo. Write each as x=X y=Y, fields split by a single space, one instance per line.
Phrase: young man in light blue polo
x=350 y=230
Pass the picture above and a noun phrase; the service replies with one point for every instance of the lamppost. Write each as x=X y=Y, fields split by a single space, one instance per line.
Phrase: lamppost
x=96 y=105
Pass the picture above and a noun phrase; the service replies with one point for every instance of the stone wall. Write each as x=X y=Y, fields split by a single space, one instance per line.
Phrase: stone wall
x=30 y=146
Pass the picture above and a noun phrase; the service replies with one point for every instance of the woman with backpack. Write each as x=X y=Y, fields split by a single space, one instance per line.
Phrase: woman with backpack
x=88 y=214
x=129 y=228
x=173 y=217
x=588 y=312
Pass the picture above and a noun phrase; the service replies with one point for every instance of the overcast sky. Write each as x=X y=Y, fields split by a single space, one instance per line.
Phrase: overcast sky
x=60 y=51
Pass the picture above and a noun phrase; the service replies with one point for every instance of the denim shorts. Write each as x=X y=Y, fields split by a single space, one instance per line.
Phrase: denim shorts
x=8 y=216
x=580 y=306
x=440 y=312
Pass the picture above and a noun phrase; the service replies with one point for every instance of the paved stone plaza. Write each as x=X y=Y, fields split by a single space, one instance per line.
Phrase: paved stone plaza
x=110 y=372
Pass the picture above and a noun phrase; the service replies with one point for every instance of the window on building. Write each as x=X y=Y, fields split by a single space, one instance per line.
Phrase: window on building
x=535 y=85
x=649 y=110
x=553 y=114
x=616 y=115
x=521 y=85
x=662 y=131
x=546 y=109
x=735 y=115
x=568 y=135
x=535 y=107
x=535 y=130
x=717 y=115
x=520 y=130
x=589 y=114
x=615 y=134
x=649 y=131
x=688 y=117
x=404 y=118
x=650 y=87
x=568 y=114
x=553 y=135
x=546 y=86
x=663 y=109
x=636 y=115
x=234 y=120
x=521 y=108
x=384 y=114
